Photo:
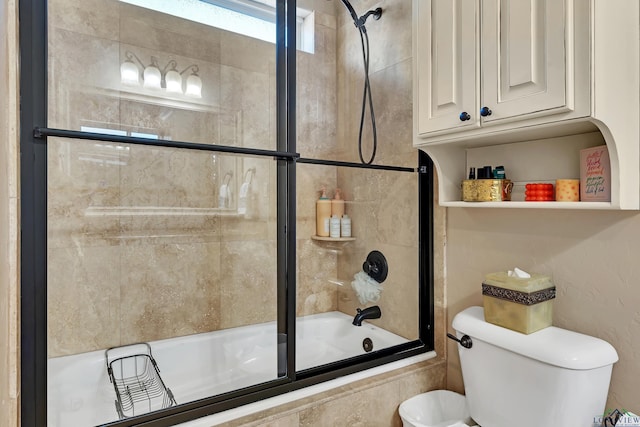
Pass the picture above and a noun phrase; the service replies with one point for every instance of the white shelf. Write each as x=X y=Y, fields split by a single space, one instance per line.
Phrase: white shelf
x=532 y=205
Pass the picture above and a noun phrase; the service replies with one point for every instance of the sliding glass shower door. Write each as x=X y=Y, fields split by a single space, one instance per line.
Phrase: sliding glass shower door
x=161 y=285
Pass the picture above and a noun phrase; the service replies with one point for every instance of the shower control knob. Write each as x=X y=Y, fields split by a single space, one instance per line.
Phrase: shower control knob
x=465 y=341
x=464 y=116
x=485 y=111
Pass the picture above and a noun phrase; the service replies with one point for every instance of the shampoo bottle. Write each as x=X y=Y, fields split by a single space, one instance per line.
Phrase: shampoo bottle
x=337 y=204
x=345 y=226
x=334 y=227
x=323 y=214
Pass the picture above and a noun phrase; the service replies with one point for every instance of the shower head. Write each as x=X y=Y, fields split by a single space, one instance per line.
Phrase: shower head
x=359 y=22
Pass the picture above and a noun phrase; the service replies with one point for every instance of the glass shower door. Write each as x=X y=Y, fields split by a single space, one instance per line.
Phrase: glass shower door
x=360 y=294
x=161 y=283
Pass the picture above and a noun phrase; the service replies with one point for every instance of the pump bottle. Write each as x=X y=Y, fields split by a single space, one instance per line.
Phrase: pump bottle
x=323 y=214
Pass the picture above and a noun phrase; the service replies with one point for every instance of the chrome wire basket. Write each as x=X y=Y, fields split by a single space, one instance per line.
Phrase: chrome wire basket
x=137 y=382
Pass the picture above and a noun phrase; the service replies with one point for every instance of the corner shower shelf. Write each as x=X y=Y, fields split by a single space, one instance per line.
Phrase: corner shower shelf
x=333 y=239
x=137 y=383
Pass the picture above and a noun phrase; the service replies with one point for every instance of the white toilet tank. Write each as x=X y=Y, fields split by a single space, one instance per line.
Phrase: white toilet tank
x=552 y=377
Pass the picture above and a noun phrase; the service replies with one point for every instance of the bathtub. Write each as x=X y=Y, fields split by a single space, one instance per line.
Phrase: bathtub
x=80 y=394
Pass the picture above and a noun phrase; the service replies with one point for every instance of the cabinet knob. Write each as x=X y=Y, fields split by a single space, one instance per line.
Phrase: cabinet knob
x=485 y=111
x=464 y=116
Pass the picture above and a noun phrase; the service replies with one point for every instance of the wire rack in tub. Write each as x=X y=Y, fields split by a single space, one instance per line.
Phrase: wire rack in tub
x=137 y=382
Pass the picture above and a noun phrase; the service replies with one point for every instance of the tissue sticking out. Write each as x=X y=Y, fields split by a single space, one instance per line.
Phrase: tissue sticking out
x=518 y=273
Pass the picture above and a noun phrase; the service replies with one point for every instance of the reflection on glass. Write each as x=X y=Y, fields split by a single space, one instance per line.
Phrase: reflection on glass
x=139 y=251
x=136 y=69
x=342 y=282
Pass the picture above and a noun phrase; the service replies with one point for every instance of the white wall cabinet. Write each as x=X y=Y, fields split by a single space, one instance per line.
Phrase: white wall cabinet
x=523 y=58
x=542 y=70
x=485 y=62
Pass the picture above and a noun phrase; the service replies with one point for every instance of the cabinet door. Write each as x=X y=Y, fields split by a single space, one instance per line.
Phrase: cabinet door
x=447 y=64
x=523 y=57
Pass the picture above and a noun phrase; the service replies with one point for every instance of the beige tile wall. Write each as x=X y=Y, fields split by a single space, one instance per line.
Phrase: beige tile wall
x=370 y=402
x=9 y=218
x=138 y=276
x=126 y=285
x=383 y=205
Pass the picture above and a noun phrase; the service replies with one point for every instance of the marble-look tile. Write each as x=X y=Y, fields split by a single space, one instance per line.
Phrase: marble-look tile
x=245 y=86
x=247 y=283
x=83 y=299
x=376 y=405
x=319 y=66
x=13 y=297
x=292 y=420
x=372 y=402
x=9 y=217
x=178 y=38
x=439 y=268
x=246 y=53
x=239 y=228
x=325 y=19
x=393 y=96
x=398 y=211
x=200 y=34
x=97 y=18
x=9 y=291
x=169 y=290
x=81 y=176
x=316 y=121
x=399 y=297
x=383 y=205
x=316 y=278
x=167 y=177
x=78 y=60
x=249 y=93
x=167 y=121
x=390 y=37
x=383 y=201
x=73 y=107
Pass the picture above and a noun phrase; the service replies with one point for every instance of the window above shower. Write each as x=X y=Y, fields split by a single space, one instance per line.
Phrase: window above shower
x=253 y=18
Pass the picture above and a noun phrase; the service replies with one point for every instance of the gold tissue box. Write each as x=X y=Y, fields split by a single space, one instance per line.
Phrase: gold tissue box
x=523 y=305
x=486 y=190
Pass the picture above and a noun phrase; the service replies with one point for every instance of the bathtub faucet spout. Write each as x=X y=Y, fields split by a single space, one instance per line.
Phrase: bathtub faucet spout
x=368 y=313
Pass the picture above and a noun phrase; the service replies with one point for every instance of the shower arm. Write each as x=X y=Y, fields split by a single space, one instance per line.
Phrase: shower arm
x=377 y=13
x=359 y=22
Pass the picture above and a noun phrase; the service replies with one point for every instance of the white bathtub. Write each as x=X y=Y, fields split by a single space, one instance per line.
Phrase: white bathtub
x=79 y=392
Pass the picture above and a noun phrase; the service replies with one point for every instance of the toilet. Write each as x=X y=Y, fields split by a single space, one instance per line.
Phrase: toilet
x=552 y=377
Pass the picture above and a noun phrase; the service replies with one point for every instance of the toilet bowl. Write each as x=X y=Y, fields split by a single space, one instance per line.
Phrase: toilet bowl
x=550 y=377
x=439 y=408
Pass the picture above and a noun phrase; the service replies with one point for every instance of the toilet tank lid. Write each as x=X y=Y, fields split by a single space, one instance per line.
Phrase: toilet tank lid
x=555 y=346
